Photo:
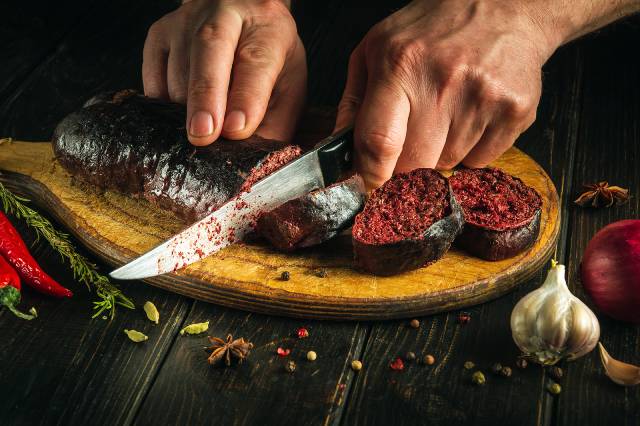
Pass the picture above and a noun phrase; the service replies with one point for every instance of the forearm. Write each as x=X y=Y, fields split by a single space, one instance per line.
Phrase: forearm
x=565 y=20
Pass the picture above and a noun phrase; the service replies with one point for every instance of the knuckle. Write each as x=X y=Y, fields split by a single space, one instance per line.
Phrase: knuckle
x=200 y=87
x=519 y=108
x=381 y=146
x=155 y=31
x=449 y=159
x=210 y=32
x=258 y=53
x=404 y=55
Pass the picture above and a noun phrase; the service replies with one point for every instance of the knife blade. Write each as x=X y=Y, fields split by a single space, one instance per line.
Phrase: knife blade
x=317 y=168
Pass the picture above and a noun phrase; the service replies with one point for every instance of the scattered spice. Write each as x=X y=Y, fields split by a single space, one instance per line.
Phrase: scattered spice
x=285 y=276
x=290 y=366
x=321 y=273
x=302 y=333
x=231 y=348
x=410 y=356
x=554 y=388
x=195 y=328
x=135 y=336
x=464 y=318
x=469 y=365
x=496 y=368
x=397 y=364
x=602 y=195
x=312 y=356
x=555 y=372
x=414 y=323
x=506 y=371
x=478 y=378
x=356 y=365
x=429 y=360
x=522 y=363
x=151 y=311
x=283 y=352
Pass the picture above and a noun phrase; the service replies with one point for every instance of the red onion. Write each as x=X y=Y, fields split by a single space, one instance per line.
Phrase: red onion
x=610 y=270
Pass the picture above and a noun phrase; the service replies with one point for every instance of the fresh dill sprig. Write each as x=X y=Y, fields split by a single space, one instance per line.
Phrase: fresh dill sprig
x=83 y=270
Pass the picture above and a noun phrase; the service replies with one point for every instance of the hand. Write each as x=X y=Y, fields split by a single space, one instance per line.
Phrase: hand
x=239 y=65
x=443 y=82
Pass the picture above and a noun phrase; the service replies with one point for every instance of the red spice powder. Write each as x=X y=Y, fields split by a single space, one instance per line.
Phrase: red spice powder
x=494 y=199
x=397 y=364
x=302 y=333
x=283 y=352
x=404 y=207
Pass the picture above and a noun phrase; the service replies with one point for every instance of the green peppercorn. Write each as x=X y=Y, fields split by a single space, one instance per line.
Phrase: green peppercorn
x=496 y=368
x=522 y=363
x=506 y=371
x=554 y=388
x=285 y=276
x=410 y=356
x=556 y=373
x=478 y=378
x=469 y=365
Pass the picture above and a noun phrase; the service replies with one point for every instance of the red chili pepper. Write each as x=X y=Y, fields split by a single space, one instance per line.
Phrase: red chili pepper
x=16 y=253
x=10 y=289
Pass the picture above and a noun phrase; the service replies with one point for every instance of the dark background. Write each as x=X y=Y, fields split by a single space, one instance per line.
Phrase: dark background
x=65 y=368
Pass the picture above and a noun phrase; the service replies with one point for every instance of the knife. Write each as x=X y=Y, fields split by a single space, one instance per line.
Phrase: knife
x=317 y=168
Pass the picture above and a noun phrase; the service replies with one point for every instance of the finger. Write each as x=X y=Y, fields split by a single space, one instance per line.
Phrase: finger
x=259 y=59
x=287 y=99
x=493 y=143
x=353 y=91
x=380 y=130
x=467 y=127
x=211 y=58
x=426 y=135
x=178 y=71
x=154 y=63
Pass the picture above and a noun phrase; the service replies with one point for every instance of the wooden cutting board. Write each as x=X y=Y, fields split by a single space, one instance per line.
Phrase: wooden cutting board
x=247 y=276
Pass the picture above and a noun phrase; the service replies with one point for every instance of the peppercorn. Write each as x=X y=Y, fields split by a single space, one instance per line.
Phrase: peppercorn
x=414 y=323
x=464 y=318
x=290 y=366
x=302 y=333
x=311 y=356
x=506 y=371
x=496 y=368
x=522 y=363
x=554 y=388
x=285 y=276
x=410 y=356
x=555 y=372
x=469 y=365
x=321 y=273
x=429 y=360
x=478 y=378
x=356 y=365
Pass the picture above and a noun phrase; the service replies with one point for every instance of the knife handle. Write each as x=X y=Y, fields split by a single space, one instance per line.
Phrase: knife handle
x=336 y=156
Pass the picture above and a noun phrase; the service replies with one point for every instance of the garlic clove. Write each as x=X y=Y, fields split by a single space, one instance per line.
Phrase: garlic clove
x=620 y=372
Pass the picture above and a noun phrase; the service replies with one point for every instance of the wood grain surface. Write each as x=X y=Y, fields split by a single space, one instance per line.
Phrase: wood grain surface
x=247 y=276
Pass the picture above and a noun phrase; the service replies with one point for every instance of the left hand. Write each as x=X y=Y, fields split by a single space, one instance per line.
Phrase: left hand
x=443 y=82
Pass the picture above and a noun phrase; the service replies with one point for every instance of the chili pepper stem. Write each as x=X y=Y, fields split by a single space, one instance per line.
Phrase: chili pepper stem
x=10 y=297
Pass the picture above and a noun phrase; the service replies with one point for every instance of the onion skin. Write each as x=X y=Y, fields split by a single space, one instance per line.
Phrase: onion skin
x=610 y=270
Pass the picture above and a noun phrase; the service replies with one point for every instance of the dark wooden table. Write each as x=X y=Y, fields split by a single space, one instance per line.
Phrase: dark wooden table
x=65 y=368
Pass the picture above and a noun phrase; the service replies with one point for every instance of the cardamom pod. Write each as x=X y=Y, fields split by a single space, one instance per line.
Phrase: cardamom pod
x=196 y=328
x=135 y=335
x=151 y=311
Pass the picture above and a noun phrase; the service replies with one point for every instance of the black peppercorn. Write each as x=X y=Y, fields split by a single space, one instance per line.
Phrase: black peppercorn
x=285 y=276
x=506 y=371
x=496 y=368
x=410 y=356
x=555 y=372
x=290 y=366
x=521 y=363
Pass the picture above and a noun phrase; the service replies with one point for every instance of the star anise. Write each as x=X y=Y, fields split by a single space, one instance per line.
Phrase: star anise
x=228 y=349
x=602 y=195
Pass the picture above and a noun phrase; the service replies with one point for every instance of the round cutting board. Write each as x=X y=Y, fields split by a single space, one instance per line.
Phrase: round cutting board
x=247 y=276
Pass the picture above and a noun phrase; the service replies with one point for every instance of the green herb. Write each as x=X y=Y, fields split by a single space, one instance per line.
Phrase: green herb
x=151 y=311
x=83 y=271
x=197 y=328
x=135 y=335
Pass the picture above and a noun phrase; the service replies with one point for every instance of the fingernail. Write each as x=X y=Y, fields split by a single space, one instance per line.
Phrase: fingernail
x=234 y=121
x=201 y=124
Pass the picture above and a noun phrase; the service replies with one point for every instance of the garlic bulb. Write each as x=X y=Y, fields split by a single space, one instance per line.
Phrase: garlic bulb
x=550 y=323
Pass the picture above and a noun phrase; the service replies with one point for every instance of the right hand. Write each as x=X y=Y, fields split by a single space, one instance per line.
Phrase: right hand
x=239 y=65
